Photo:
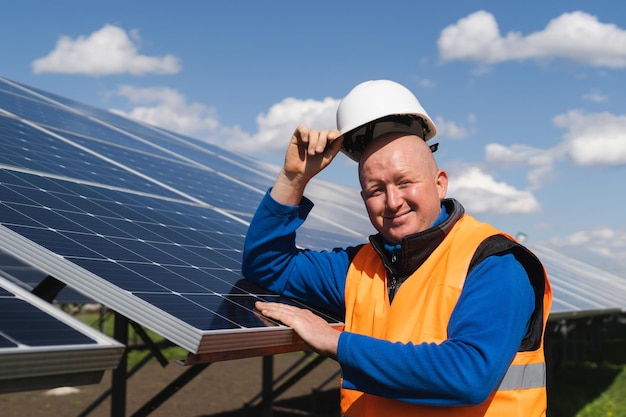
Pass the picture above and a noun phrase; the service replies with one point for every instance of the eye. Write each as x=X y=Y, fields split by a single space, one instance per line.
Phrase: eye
x=404 y=183
x=373 y=192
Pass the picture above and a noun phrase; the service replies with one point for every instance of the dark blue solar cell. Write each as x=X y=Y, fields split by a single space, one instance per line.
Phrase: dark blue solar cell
x=199 y=316
x=98 y=226
x=55 y=242
x=166 y=277
x=179 y=254
x=37 y=150
x=13 y=194
x=51 y=218
x=48 y=199
x=109 y=248
x=118 y=274
x=29 y=326
x=11 y=214
x=239 y=309
x=205 y=280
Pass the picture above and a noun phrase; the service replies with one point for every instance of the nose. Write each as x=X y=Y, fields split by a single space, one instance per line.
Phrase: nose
x=394 y=198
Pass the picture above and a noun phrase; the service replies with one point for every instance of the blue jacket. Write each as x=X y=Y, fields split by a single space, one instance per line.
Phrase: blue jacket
x=429 y=371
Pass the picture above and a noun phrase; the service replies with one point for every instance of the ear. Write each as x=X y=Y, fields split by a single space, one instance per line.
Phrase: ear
x=441 y=181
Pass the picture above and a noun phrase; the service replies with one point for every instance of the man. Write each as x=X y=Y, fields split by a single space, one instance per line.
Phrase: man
x=444 y=315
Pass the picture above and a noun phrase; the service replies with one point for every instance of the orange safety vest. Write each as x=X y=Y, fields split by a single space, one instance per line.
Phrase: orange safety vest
x=420 y=313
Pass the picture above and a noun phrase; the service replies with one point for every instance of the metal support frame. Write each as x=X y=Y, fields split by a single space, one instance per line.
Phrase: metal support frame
x=120 y=376
x=267 y=384
x=118 y=383
x=170 y=390
x=107 y=393
x=49 y=288
x=270 y=391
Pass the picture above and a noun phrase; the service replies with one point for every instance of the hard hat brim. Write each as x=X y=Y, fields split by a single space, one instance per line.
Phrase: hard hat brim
x=356 y=140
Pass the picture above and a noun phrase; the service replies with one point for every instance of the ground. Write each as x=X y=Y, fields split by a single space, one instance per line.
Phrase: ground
x=221 y=390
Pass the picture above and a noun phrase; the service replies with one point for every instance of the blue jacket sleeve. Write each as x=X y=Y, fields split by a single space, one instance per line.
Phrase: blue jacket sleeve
x=272 y=259
x=484 y=333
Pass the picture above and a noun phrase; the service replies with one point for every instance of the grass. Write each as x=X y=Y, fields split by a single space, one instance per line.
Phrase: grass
x=582 y=388
x=588 y=390
x=595 y=386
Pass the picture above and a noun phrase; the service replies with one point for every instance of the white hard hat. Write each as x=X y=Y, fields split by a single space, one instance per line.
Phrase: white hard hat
x=376 y=107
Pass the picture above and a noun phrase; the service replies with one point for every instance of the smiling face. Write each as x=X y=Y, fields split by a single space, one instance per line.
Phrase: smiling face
x=401 y=185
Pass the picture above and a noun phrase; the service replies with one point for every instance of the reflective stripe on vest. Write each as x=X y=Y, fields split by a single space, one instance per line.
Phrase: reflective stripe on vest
x=524 y=376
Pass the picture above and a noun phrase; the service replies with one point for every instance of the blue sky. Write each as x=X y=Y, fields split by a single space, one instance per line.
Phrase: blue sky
x=529 y=98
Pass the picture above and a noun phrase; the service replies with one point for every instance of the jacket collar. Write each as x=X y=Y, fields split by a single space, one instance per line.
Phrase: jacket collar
x=416 y=248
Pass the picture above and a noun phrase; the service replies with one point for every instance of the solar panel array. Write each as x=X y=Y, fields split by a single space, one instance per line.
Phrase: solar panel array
x=145 y=221
x=580 y=289
x=151 y=223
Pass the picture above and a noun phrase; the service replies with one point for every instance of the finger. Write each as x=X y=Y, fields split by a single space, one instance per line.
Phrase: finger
x=301 y=134
x=270 y=309
x=322 y=141
x=334 y=144
x=314 y=143
x=319 y=141
x=261 y=305
x=268 y=321
x=286 y=314
x=333 y=135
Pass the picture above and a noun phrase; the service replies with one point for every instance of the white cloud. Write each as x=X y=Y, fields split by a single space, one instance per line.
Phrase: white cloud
x=604 y=241
x=279 y=123
x=540 y=161
x=595 y=96
x=427 y=83
x=109 y=50
x=481 y=193
x=167 y=108
x=590 y=139
x=576 y=36
x=452 y=130
x=594 y=139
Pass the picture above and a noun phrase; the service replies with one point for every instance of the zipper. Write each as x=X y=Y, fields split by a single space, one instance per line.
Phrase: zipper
x=391 y=287
x=393 y=279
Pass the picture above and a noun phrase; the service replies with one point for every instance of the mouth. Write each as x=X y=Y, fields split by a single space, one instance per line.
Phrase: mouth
x=395 y=216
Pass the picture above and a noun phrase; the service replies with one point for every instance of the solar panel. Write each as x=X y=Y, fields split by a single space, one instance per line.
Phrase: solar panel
x=151 y=223
x=43 y=347
x=580 y=289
